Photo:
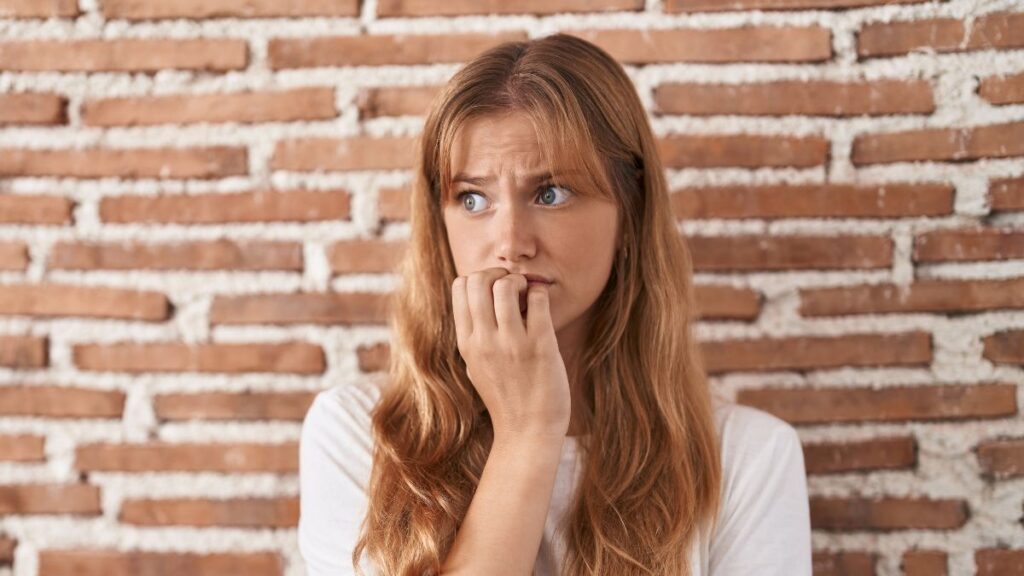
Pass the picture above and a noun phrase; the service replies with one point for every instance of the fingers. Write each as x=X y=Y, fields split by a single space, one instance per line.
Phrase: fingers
x=506 y=303
x=460 y=309
x=481 y=298
x=538 y=311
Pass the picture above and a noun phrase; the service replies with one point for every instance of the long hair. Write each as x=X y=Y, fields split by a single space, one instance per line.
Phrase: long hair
x=651 y=472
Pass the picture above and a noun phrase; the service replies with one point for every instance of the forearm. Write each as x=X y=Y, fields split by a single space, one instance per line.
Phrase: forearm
x=502 y=530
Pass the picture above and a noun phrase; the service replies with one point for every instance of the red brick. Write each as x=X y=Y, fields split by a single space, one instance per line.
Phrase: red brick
x=743 y=151
x=211 y=162
x=790 y=97
x=941 y=402
x=863 y=455
x=188 y=457
x=365 y=256
x=887 y=514
x=940 y=144
x=924 y=563
x=756 y=252
x=969 y=244
x=32 y=108
x=941 y=296
x=393 y=204
x=1007 y=195
x=742 y=44
x=37 y=9
x=199 y=512
x=201 y=9
x=1006 y=347
x=672 y=6
x=134 y=563
x=224 y=208
x=245 y=107
x=995 y=30
x=324 y=308
x=380 y=50
x=361 y=153
x=22 y=448
x=724 y=302
x=233 y=405
x=77 y=499
x=408 y=8
x=813 y=201
x=286 y=357
x=35 y=209
x=395 y=101
x=54 y=300
x=14 y=256
x=60 y=402
x=374 y=358
x=818 y=352
x=1002 y=89
x=219 y=254
x=22 y=352
x=1002 y=458
x=124 y=55
x=999 y=562
x=844 y=563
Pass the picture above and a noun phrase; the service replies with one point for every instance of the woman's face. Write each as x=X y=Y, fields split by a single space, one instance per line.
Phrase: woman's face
x=504 y=213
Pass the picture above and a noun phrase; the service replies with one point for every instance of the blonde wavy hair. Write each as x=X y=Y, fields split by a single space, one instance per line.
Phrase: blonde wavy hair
x=651 y=471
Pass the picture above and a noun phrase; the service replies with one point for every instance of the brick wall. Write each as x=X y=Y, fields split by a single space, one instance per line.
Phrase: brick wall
x=201 y=200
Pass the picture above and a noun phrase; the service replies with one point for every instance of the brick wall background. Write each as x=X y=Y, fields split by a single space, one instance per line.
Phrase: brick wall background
x=200 y=202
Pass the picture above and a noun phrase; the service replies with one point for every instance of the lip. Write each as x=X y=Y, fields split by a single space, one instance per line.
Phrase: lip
x=535 y=278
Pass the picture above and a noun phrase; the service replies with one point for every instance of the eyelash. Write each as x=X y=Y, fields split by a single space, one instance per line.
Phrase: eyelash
x=459 y=196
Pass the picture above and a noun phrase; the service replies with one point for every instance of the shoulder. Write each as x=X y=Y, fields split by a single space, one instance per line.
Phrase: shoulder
x=337 y=431
x=343 y=403
x=756 y=446
x=335 y=462
x=343 y=406
x=745 y=432
x=764 y=521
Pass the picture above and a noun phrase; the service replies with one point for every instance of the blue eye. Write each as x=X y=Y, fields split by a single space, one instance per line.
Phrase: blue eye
x=546 y=189
x=545 y=193
x=466 y=204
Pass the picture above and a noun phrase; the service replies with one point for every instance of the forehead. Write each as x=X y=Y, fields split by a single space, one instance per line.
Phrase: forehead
x=497 y=143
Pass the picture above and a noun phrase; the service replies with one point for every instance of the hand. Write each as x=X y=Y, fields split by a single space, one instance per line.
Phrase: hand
x=515 y=367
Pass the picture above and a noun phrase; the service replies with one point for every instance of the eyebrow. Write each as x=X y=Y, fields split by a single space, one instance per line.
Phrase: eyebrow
x=479 y=180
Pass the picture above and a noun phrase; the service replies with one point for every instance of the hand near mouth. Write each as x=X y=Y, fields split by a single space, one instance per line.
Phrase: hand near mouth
x=524 y=292
x=515 y=366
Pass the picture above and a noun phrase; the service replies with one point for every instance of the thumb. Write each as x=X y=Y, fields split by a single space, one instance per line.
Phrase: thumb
x=538 y=311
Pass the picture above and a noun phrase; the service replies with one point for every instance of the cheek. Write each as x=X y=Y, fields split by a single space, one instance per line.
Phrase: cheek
x=588 y=261
x=461 y=250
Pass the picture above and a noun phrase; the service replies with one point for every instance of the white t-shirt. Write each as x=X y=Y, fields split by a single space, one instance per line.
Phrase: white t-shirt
x=764 y=523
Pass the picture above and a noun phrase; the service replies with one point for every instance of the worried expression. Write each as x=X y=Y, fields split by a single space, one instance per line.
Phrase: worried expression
x=504 y=211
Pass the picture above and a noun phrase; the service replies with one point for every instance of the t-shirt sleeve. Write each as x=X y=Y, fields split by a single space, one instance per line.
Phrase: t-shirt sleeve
x=764 y=523
x=335 y=459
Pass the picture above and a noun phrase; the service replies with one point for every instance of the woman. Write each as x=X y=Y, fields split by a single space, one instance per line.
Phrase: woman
x=547 y=408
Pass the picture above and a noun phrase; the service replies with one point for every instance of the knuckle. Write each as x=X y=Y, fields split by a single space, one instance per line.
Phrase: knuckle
x=518 y=352
x=475 y=281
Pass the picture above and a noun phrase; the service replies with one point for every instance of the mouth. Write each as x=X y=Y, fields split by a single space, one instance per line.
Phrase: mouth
x=530 y=281
x=536 y=278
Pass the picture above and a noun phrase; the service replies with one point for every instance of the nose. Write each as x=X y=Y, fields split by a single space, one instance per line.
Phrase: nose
x=516 y=237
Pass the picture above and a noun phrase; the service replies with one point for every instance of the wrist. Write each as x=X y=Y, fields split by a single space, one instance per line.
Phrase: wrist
x=530 y=438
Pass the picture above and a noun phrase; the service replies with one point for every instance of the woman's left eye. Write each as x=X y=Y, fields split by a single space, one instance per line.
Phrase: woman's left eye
x=546 y=193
